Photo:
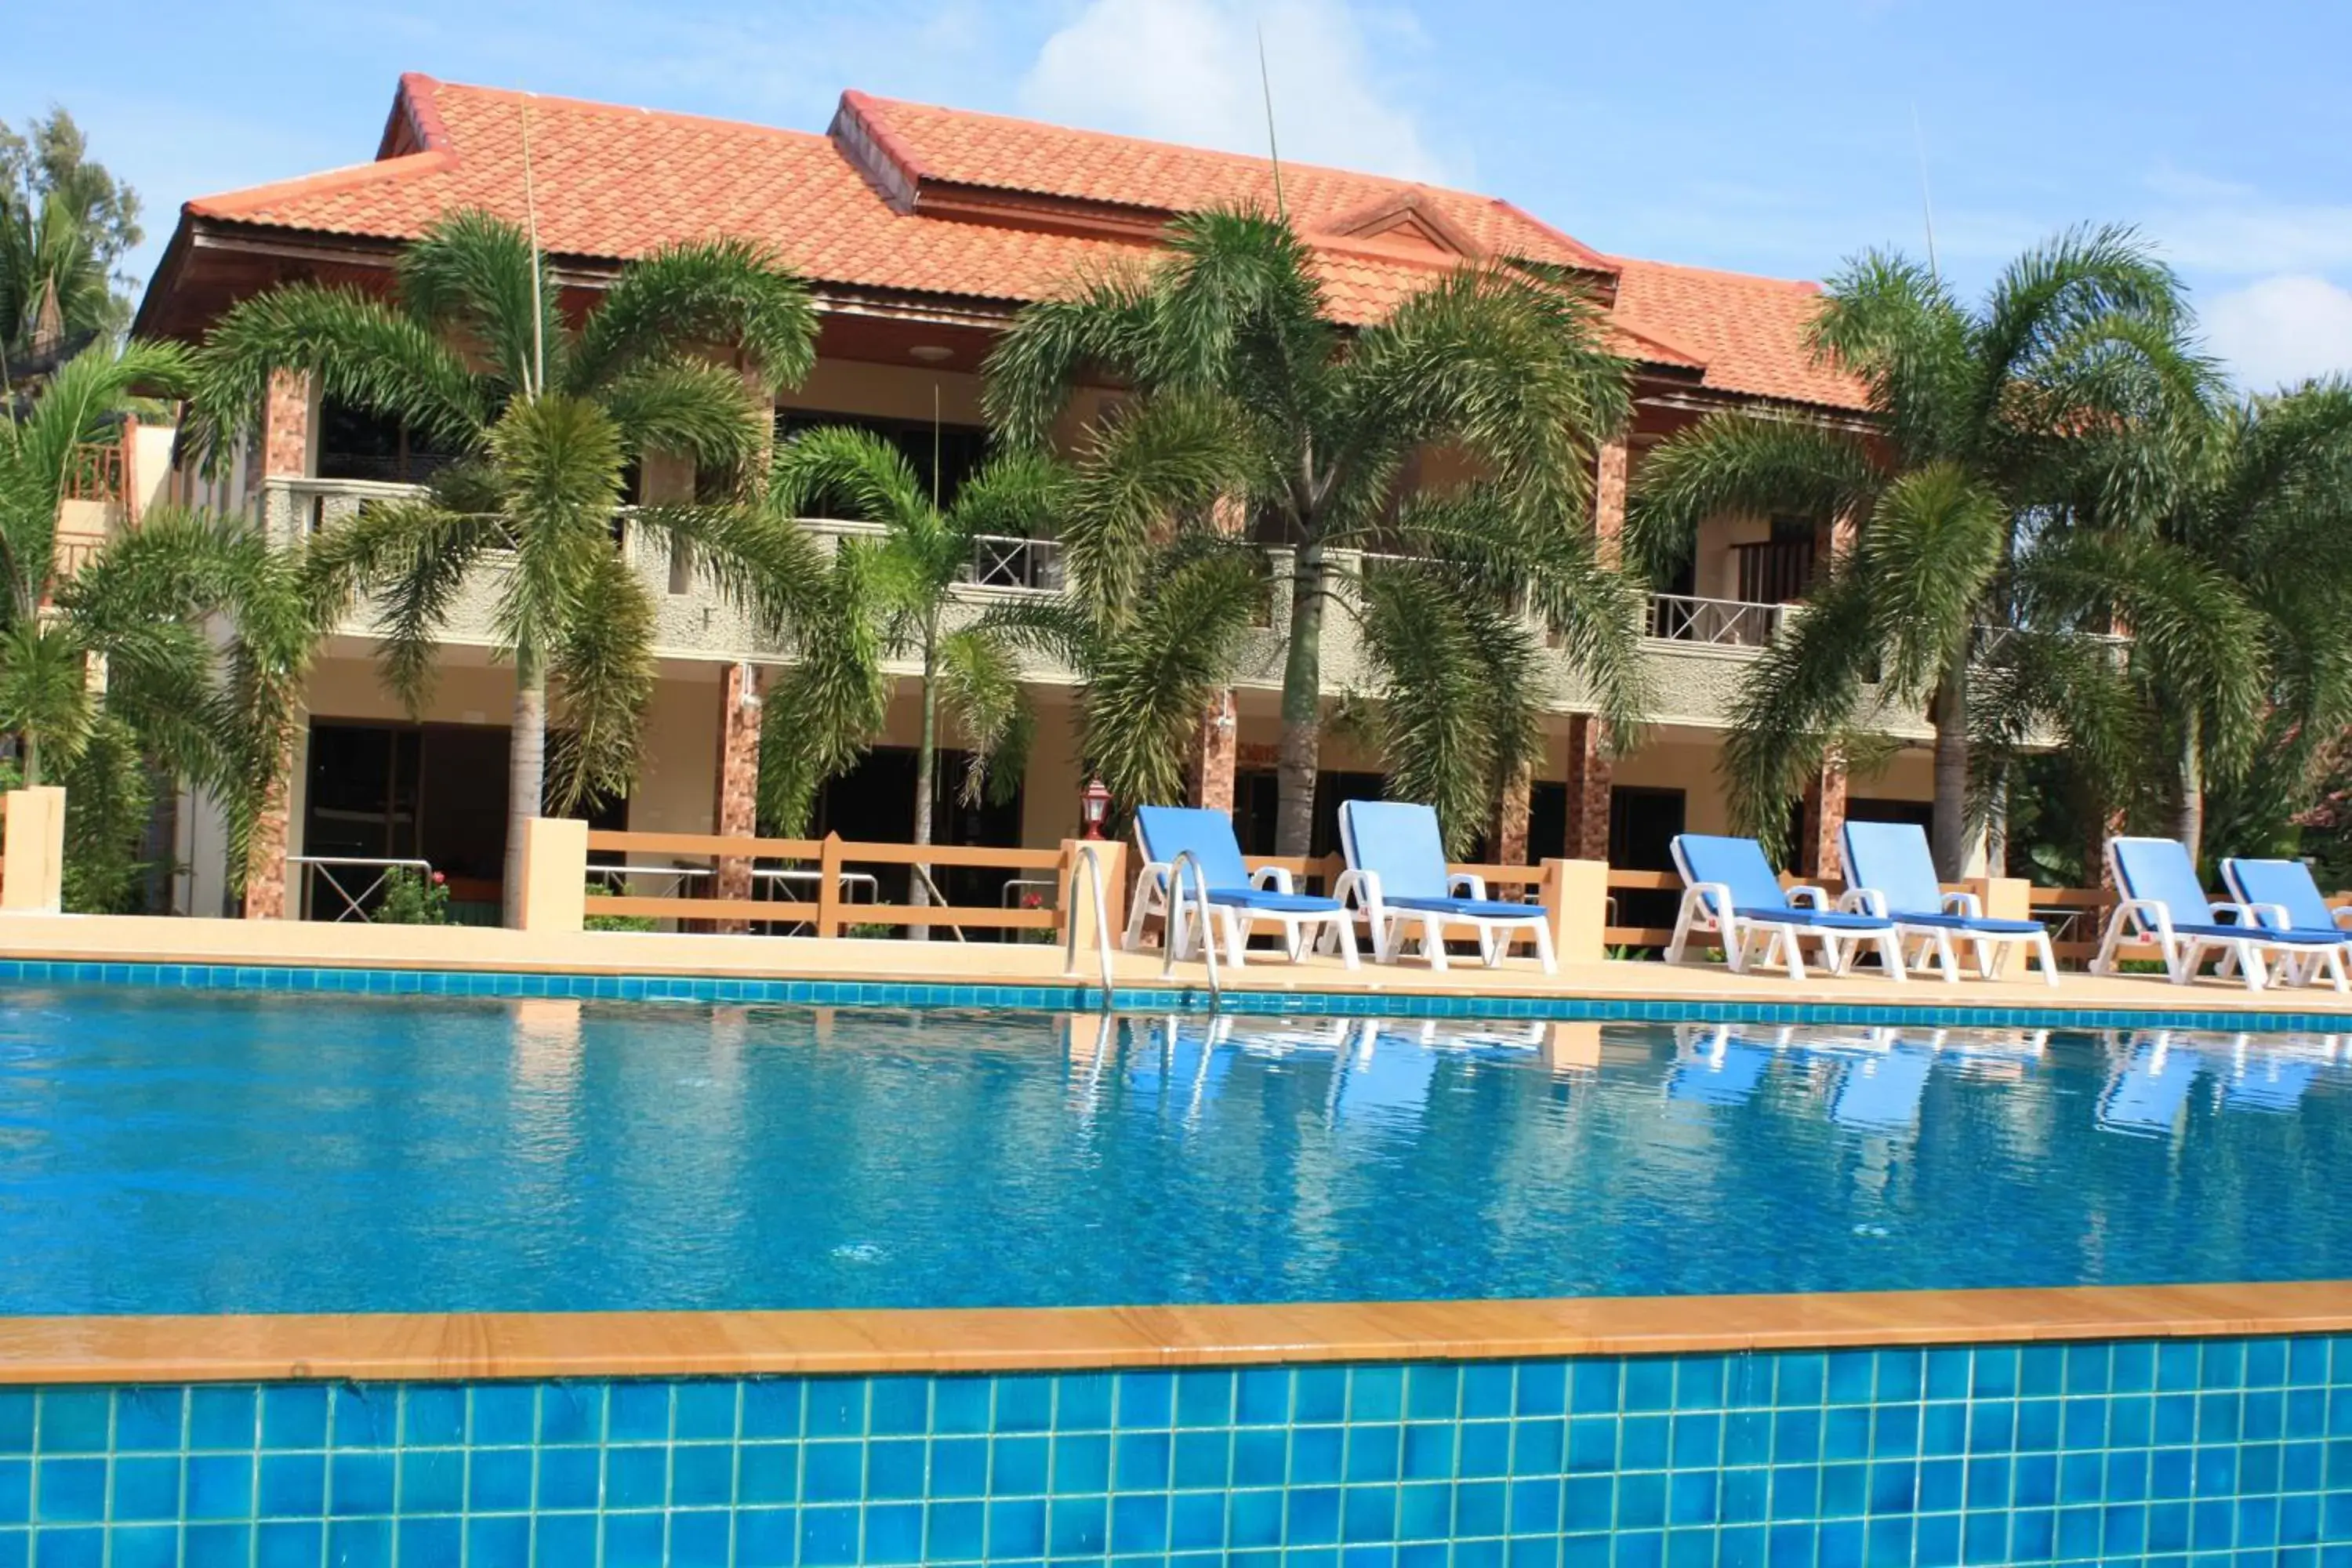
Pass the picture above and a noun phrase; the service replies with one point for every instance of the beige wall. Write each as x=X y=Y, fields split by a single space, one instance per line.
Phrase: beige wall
x=887 y=392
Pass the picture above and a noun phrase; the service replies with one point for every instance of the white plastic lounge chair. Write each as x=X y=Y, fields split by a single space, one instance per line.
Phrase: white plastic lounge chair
x=1397 y=875
x=2147 y=1096
x=2163 y=903
x=1238 y=901
x=2283 y=897
x=1890 y=872
x=1733 y=893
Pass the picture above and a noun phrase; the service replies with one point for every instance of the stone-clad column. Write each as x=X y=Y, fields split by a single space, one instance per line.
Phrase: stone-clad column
x=1215 y=750
x=1590 y=770
x=1507 y=839
x=1824 y=819
x=737 y=812
x=1610 y=469
x=285 y=454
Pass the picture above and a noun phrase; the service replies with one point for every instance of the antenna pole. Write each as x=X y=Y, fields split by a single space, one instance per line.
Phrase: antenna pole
x=1272 y=154
x=1926 y=205
x=538 y=307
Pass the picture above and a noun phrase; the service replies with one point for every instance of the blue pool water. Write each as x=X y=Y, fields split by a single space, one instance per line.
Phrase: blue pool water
x=193 y=1152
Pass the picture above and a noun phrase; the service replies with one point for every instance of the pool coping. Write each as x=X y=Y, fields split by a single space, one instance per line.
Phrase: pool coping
x=553 y=984
x=491 y=1346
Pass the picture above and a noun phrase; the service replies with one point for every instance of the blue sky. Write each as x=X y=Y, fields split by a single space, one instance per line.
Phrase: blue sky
x=1767 y=135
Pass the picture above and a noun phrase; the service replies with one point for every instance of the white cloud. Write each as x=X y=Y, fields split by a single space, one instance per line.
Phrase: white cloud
x=1187 y=70
x=2281 y=329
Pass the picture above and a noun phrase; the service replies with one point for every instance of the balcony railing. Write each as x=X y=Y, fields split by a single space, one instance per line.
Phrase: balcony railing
x=1000 y=561
x=1715 y=623
x=1775 y=571
x=95 y=472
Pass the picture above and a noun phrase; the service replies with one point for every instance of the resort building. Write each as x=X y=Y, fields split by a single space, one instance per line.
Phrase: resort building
x=921 y=231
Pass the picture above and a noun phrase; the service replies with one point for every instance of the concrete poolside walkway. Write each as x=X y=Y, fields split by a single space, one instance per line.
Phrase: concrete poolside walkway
x=293 y=943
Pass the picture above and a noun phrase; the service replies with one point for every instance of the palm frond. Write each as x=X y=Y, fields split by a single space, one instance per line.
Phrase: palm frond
x=1928 y=552
x=822 y=712
x=732 y=293
x=690 y=407
x=413 y=559
x=1797 y=699
x=1101 y=326
x=476 y=276
x=1741 y=463
x=602 y=673
x=1141 y=471
x=980 y=691
x=364 y=353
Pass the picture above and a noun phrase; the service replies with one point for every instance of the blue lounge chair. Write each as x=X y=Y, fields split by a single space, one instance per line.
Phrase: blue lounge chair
x=2163 y=903
x=1890 y=872
x=1238 y=901
x=1398 y=875
x=1733 y=894
x=2283 y=897
x=2147 y=1096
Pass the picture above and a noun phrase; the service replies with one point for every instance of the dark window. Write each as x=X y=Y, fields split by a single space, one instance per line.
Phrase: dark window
x=1869 y=809
x=945 y=454
x=356 y=444
x=403 y=792
x=1257 y=793
x=1642 y=827
x=1546 y=822
x=875 y=803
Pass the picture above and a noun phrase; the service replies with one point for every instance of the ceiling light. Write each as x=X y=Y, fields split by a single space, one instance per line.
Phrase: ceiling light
x=931 y=354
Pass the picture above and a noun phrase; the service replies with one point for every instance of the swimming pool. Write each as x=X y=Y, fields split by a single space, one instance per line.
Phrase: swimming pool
x=250 y=1151
x=210 y=1152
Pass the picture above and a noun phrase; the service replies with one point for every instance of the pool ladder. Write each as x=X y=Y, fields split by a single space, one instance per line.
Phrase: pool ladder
x=1089 y=856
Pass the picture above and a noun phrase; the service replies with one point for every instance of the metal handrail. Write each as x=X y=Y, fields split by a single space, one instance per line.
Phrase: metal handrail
x=355 y=904
x=1208 y=932
x=1090 y=857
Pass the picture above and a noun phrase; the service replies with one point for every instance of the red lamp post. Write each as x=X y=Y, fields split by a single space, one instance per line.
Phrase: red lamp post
x=1094 y=807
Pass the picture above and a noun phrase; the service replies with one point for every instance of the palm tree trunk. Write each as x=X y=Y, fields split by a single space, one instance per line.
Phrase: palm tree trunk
x=526 y=770
x=1950 y=829
x=2188 y=805
x=1302 y=697
x=926 y=767
x=32 y=769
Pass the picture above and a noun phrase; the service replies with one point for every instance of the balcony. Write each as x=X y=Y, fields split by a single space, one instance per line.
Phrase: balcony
x=1775 y=571
x=1713 y=623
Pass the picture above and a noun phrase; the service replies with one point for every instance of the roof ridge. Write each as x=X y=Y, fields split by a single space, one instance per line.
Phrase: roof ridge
x=1194 y=148
x=387 y=171
x=625 y=111
x=1801 y=285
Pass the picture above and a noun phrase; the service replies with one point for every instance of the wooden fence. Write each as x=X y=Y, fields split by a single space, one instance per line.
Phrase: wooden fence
x=827 y=859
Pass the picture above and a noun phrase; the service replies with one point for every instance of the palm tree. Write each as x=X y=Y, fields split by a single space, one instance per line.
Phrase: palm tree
x=2242 y=666
x=1985 y=420
x=474 y=352
x=910 y=578
x=1459 y=694
x=1232 y=330
x=44 y=687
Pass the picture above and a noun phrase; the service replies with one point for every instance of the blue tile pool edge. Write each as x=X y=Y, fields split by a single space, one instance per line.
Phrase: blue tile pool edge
x=2133 y=1451
x=1077 y=997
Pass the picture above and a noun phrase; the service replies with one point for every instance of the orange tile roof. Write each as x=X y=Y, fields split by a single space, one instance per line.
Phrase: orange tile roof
x=848 y=210
x=1750 y=332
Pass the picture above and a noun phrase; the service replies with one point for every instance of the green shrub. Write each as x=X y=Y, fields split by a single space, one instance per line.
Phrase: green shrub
x=413 y=898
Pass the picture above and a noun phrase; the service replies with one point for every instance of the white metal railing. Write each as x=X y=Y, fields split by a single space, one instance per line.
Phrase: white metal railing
x=1004 y=561
x=1173 y=938
x=1090 y=857
x=1714 y=623
x=1988 y=642
x=332 y=869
